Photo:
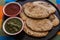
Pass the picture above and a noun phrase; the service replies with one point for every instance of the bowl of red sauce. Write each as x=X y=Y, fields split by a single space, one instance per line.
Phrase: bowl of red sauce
x=12 y=9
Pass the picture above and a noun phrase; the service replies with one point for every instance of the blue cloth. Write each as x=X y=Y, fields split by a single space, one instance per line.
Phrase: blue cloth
x=6 y=38
x=58 y=1
x=9 y=1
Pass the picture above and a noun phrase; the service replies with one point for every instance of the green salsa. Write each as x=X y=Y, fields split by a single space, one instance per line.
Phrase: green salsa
x=13 y=25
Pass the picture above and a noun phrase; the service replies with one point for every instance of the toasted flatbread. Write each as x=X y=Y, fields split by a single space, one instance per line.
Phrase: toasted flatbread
x=23 y=16
x=33 y=33
x=54 y=19
x=34 y=11
x=39 y=25
x=45 y=5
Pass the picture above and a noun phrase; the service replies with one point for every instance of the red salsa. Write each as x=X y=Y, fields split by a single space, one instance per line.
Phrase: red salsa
x=12 y=9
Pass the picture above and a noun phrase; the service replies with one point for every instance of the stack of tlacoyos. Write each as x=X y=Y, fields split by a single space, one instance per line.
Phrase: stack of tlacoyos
x=39 y=18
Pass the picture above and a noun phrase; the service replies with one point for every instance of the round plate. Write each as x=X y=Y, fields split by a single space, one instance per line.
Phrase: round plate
x=24 y=36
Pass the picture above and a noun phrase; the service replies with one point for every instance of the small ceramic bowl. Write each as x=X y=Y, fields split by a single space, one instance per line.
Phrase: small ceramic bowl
x=11 y=3
x=4 y=29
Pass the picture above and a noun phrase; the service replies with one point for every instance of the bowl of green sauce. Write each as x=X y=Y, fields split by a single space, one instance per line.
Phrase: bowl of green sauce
x=13 y=26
